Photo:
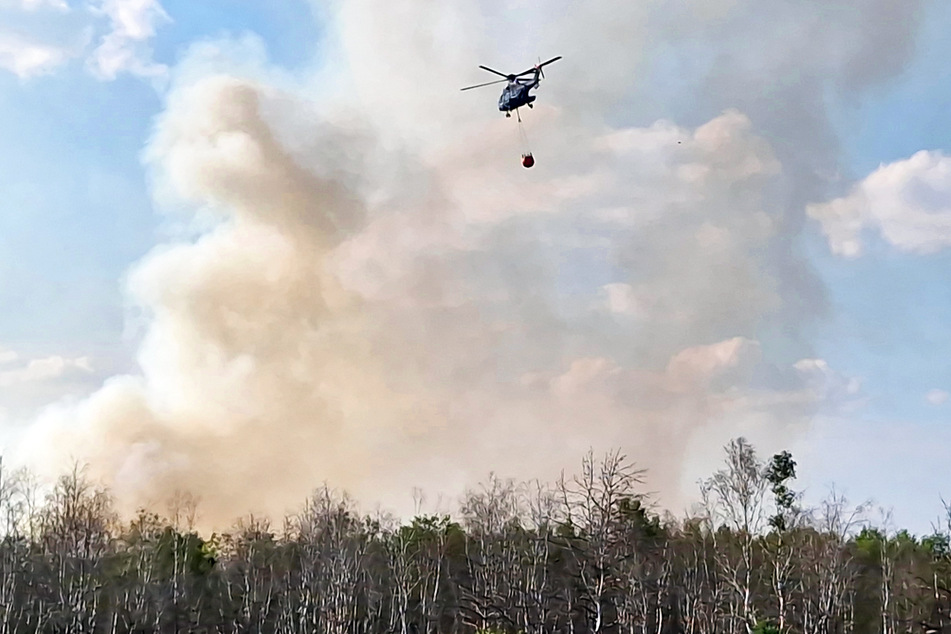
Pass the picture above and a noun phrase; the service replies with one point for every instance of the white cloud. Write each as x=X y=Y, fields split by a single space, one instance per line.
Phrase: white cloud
x=35 y=42
x=26 y=58
x=34 y=5
x=125 y=48
x=43 y=369
x=907 y=202
x=622 y=299
x=834 y=387
x=937 y=397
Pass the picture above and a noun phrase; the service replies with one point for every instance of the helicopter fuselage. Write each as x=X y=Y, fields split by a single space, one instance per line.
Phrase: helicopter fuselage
x=515 y=95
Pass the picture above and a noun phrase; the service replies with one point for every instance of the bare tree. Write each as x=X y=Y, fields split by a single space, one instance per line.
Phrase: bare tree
x=735 y=498
x=592 y=506
x=76 y=534
x=493 y=516
x=17 y=513
x=829 y=573
x=538 y=587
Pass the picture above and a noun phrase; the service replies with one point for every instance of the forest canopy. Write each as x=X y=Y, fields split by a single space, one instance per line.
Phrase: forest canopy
x=588 y=553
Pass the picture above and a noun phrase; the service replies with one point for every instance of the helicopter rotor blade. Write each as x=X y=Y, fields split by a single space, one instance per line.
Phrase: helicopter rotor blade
x=496 y=72
x=488 y=83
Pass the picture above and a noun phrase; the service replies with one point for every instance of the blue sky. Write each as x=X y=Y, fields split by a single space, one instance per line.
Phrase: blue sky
x=77 y=213
x=891 y=309
x=77 y=210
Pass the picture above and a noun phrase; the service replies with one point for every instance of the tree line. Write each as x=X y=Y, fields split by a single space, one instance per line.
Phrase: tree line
x=586 y=554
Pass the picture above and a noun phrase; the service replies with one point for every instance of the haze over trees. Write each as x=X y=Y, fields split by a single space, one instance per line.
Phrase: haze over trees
x=583 y=555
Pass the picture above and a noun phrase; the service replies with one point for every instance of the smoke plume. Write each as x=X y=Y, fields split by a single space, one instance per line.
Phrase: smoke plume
x=373 y=292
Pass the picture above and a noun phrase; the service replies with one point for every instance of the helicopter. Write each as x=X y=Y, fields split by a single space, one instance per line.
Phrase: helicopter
x=515 y=94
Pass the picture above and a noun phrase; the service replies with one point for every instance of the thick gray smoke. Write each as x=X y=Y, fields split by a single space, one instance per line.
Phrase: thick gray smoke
x=380 y=296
